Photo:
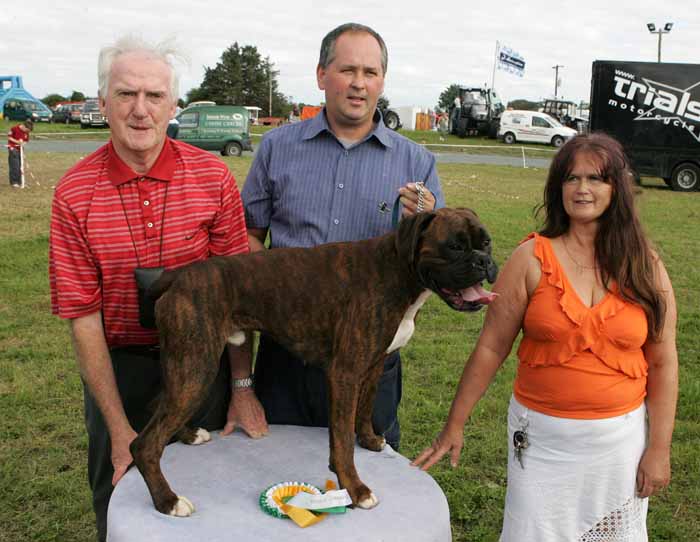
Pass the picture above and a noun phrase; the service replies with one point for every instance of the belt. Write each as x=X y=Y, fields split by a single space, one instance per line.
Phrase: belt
x=149 y=350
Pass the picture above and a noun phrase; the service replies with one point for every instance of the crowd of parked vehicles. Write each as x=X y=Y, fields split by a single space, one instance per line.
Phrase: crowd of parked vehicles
x=639 y=103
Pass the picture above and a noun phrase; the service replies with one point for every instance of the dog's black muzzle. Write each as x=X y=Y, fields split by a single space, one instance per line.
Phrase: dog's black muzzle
x=474 y=268
x=469 y=270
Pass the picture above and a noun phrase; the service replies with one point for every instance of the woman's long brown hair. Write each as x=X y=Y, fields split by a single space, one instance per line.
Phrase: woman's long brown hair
x=622 y=250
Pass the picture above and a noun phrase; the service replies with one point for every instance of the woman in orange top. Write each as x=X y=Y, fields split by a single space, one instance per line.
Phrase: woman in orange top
x=593 y=405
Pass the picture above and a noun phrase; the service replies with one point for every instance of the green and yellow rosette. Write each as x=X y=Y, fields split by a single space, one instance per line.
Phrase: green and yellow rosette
x=273 y=502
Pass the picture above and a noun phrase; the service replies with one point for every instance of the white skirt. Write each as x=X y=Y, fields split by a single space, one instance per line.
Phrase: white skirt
x=577 y=483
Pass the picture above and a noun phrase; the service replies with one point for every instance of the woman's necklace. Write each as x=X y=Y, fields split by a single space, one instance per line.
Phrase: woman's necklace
x=578 y=265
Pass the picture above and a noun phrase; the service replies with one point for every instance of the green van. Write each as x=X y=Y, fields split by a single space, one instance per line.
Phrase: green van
x=223 y=128
x=16 y=109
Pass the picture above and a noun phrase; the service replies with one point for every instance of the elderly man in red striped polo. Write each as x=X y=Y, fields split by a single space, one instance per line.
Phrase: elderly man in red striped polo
x=140 y=201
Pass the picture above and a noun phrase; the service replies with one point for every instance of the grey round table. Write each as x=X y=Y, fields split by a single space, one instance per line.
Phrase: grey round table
x=224 y=479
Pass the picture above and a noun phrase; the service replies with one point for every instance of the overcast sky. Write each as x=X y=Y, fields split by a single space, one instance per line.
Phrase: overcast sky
x=54 y=45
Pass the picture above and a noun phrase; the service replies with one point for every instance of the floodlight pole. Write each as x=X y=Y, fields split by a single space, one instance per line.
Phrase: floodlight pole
x=660 y=32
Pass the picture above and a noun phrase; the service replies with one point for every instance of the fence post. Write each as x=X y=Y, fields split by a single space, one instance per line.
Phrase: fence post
x=524 y=162
x=21 y=166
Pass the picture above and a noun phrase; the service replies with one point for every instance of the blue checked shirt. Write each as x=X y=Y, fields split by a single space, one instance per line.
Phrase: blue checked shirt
x=308 y=189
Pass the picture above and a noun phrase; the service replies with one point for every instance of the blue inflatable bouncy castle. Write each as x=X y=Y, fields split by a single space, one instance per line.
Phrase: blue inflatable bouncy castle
x=17 y=104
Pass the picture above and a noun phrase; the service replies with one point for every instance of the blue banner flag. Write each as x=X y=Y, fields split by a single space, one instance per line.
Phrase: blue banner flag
x=510 y=61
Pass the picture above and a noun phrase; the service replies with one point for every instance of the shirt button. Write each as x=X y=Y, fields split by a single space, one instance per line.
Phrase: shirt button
x=341 y=186
x=150 y=224
x=336 y=221
x=146 y=203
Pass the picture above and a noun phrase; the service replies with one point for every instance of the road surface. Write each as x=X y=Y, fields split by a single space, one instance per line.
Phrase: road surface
x=86 y=147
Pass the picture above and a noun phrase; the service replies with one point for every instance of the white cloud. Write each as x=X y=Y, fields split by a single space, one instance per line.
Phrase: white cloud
x=431 y=45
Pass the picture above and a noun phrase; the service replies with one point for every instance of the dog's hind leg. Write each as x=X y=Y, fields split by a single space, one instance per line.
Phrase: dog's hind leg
x=186 y=435
x=366 y=437
x=187 y=376
x=147 y=450
x=343 y=394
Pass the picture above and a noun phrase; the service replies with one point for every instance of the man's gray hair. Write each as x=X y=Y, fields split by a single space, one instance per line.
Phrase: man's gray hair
x=328 y=44
x=168 y=51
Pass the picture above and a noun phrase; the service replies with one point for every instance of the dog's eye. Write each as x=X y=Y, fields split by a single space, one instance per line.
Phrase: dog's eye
x=455 y=247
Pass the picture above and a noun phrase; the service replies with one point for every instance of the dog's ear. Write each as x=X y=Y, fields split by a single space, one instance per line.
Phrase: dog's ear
x=409 y=234
x=472 y=211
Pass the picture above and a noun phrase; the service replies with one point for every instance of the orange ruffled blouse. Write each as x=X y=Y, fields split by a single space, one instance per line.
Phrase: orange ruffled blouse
x=578 y=361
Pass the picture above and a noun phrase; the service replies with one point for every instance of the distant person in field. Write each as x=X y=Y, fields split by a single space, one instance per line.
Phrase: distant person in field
x=593 y=406
x=140 y=201
x=17 y=138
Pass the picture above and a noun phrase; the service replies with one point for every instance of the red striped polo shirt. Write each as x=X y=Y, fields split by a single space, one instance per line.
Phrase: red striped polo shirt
x=106 y=220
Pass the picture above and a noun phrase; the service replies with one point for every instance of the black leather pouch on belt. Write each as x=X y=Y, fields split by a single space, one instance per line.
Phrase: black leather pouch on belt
x=145 y=277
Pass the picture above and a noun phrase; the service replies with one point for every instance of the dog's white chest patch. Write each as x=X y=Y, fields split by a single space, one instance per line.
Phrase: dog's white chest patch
x=407 y=325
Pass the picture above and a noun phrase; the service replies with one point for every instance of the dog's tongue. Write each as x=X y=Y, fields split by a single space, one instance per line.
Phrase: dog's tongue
x=476 y=294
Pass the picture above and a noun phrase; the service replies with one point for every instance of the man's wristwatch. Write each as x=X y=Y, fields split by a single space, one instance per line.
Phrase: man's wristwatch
x=241 y=383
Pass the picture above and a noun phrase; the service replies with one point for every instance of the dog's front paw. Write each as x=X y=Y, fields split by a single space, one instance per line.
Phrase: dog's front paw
x=201 y=436
x=372 y=442
x=183 y=508
x=191 y=436
x=362 y=497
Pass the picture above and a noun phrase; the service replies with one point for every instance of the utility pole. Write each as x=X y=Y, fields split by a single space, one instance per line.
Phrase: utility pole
x=665 y=30
x=556 y=79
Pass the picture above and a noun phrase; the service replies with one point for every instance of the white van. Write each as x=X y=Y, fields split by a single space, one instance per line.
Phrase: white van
x=532 y=126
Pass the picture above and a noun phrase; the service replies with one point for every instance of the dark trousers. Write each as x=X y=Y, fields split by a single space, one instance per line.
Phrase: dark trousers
x=138 y=375
x=293 y=393
x=14 y=160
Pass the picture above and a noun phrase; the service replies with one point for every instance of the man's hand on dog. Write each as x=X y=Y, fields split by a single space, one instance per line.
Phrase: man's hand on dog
x=246 y=412
x=410 y=199
x=121 y=455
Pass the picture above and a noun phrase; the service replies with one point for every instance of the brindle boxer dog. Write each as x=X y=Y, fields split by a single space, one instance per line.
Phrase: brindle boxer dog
x=342 y=306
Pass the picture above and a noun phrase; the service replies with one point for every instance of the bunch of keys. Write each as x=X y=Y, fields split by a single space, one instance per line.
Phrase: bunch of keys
x=520 y=442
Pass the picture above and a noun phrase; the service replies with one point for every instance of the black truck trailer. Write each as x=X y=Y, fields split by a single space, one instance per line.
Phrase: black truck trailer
x=653 y=109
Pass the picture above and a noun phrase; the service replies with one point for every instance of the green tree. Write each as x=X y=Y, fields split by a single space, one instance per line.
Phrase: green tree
x=447 y=97
x=52 y=99
x=242 y=77
x=526 y=105
x=77 y=96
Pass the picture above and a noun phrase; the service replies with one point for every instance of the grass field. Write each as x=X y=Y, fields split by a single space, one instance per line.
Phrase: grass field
x=42 y=438
x=435 y=141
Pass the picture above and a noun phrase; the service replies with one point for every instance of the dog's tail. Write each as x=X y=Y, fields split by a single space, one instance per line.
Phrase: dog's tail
x=159 y=287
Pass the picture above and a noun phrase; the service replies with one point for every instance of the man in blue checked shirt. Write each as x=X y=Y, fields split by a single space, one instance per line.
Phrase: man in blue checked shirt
x=334 y=177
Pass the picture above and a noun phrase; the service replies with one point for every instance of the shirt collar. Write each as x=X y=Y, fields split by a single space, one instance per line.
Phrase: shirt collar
x=162 y=170
x=319 y=124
